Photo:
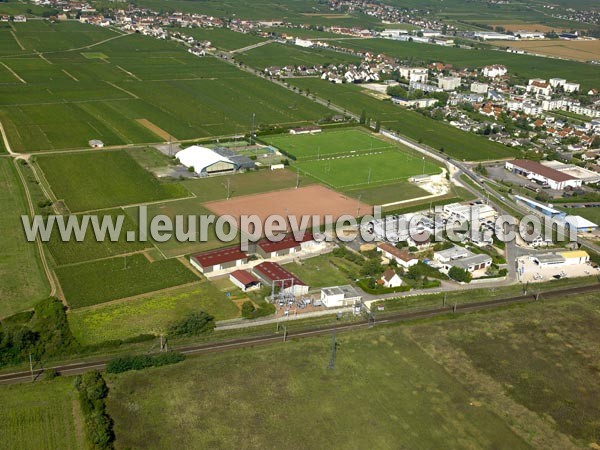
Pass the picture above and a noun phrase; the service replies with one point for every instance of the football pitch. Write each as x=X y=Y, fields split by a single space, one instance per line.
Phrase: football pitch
x=379 y=167
x=328 y=143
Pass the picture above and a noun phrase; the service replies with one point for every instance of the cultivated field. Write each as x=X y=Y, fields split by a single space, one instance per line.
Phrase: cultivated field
x=22 y=280
x=104 y=280
x=73 y=93
x=438 y=135
x=151 y=314
x=379 y=167
x=313 y=200
x=41 y=416
x=103 y=179
x=328 y=143
x=568 y=49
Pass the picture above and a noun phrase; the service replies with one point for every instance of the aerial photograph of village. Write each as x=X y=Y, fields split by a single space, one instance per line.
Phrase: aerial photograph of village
x=299 y=224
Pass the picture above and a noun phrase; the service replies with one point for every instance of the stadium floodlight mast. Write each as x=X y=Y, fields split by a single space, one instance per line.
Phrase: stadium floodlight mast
x=423 y=165
x=228 y=187
x=369 y=177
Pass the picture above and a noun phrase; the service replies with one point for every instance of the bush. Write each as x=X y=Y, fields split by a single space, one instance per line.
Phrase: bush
x=251 y=312
x=98 y=425
x=139 y=362
x=460 y=275
x=194 y=324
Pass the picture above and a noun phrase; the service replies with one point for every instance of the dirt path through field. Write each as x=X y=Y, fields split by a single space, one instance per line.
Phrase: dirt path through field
x=156 y=130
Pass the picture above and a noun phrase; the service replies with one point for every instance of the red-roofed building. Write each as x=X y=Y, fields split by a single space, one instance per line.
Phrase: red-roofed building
x=402 y=257
x=273 y=272
x=244 y=280
x=541 y=174
x=220 y=259
x=288 y=245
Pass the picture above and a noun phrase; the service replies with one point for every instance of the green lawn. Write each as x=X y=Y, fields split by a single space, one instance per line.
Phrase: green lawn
x=436 y=134
x=381 y=167
x=328 y=143
x=592 y=214
x=101 y=281
x=318 y=272
x=390 y=193
x=103 y=179
x=148 y=315
x=22 y=280
x=41 y=416
x=384 y=393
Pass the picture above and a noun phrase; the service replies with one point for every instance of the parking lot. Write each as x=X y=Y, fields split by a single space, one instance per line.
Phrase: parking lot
x=529 y=272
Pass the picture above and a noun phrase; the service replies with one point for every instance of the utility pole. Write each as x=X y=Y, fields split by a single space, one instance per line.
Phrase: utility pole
x=297 y=178
x=369 y=178
x=284 y=333
x=170 y=145
x=358 y=205
x=31 y=366
x=252 y=131
x=423 y=165
x=333 y=351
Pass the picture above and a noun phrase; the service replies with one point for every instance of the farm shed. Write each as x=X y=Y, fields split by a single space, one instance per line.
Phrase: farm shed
x=205 y=161
x=220 y=259
x=273 y=273
x=288 y=245
x=244 y=280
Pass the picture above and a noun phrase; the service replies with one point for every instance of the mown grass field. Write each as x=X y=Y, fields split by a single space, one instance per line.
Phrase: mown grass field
x=438 y=135
x=103 y=179
x=151 y=314
x=384 y=392
x=43 y=415
x=328 y=143
x=104 y=280
x=318 y=272
x=69 y=252
x=380 y=167
x=592 y=214
x=390 y=193
x=22 y=280
x=74 y=93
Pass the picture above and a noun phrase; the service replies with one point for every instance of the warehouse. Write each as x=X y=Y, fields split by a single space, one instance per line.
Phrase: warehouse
x=220 y=259
x=287 y=246
x=545 y=176
x=244 y=280
x=205 y=161
x=273 y=274
x=473 y=263
x=581 y=224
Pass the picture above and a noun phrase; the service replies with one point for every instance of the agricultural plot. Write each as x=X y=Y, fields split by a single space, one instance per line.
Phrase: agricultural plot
x=413 y=401
x=286 y=55
x=328 y=143
x=104 y=280
x=71 y=251
x=436 y=134
x=103 y=179
x=41 y=415
x=22 y=280
x=379 y=167
x=521 y=66
x=148 y=315
x=577 y=50
x=318 y=272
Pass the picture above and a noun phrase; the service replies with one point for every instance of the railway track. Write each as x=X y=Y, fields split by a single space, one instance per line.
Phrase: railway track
x=81 y=367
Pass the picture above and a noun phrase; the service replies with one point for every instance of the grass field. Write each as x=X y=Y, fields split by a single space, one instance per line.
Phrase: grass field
x=104 y=280
x=22 y=280
x=328 y=143
x=318 y=272
x=70 y=252
x=147 y=315
x=43 y=415
x=592 y=214
x=438 y=135
x=390 y=193
x=380 y=167
x=103 y=179
x=384 y=393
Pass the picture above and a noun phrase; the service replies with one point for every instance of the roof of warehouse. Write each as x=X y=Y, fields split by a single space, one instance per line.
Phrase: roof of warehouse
x=289 y=241
x=244 y=277
x=200 y=158
x=274 y=272
x=540 y=169
x=219 y=256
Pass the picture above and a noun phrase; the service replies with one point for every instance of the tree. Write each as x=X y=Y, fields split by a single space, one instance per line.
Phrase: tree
x=363 y=117
x=371 y=267
x=195 y=323
x=377 y=126
x=248 y=309
x=460 y=275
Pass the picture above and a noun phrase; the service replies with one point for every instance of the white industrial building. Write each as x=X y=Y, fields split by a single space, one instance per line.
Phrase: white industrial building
x=541 y=174
x=561 y=258
x=339 y=296
x=205 y=161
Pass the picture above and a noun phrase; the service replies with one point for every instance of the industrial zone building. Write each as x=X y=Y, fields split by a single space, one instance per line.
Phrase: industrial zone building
x=205 y=161
x=219 y=259
x=545 y=176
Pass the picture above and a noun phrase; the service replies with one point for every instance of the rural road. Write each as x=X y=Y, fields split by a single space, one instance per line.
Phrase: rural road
x=81 y=367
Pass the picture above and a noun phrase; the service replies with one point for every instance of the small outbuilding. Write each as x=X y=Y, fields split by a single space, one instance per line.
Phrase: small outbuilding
x=244 y=280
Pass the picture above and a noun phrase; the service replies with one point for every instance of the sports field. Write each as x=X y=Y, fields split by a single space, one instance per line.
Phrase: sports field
x=150 y=314
x=104 y=280
x=22 y=280
x=379 y=167
x=41 y=415
x=103 y=179
x=328 y=143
